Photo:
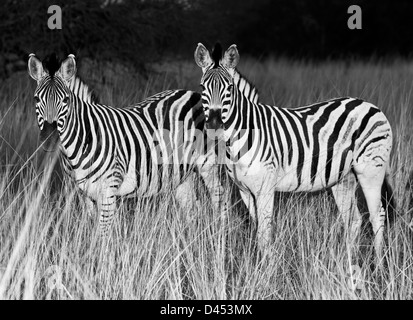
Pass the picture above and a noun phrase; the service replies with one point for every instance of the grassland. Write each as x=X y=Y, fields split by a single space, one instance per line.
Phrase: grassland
x=49 y=248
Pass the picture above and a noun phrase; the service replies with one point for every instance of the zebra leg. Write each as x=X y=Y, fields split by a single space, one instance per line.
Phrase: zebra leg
x=90 y=206
x=370 y=168
x=265 y=210
x=208 y=166
x=261 y=209
x=344 y=194
x=87 y=203
x=371 y=177
x=261 y=212
x=248 y=199
x=185 y=193
x=211 y=178
x=107 y=207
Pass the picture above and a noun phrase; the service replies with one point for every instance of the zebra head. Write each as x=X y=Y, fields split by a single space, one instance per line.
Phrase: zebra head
x=217 y=82
x=52 y=95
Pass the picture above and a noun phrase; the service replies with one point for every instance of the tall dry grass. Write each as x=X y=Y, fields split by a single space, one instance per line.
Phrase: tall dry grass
x=49 y=247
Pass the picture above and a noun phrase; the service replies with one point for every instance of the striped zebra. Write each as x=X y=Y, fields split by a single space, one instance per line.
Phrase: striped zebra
x=332 y=144
x=123 y=152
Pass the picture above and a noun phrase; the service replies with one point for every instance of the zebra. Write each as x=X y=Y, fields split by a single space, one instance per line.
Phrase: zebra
x=123 y=152
x=332 y=144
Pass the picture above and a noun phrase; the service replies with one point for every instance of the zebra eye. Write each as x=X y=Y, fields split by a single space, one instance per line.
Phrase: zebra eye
x=65 y=100
x=36 y=99
x=230 y=86
x=202 y=86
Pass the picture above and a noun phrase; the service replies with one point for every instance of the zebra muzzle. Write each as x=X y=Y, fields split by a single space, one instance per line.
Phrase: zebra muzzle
x=49 y=136
x=214 y=120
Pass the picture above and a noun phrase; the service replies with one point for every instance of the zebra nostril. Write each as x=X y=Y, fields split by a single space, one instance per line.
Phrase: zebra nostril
x=49 y=136
x=52 y=124
x=214 y=120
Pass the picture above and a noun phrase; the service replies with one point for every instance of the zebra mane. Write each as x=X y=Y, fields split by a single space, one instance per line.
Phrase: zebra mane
x=217 y=54
x=51 y=63
x=82 y=90
x=245 y=87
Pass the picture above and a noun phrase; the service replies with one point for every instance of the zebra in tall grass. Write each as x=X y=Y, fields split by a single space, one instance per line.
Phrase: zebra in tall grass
x=123 y=152
x=332 y=144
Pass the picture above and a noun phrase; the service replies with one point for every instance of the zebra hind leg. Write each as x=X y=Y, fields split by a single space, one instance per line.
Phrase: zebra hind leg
x=249 y=201
x=371 y=178
x=344 y=194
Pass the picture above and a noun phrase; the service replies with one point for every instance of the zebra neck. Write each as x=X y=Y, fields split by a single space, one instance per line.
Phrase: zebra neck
x=245 y=88
x=82 y=90
x=244 y=99
x=76 y=128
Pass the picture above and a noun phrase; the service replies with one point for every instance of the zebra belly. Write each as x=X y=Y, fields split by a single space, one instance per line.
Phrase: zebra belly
x=162 y=179
x=286 y=179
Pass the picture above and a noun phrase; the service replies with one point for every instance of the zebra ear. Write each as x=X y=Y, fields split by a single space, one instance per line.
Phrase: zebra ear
x=68 y=68
x=35 y=68
x=231 y=57
x=202 y=57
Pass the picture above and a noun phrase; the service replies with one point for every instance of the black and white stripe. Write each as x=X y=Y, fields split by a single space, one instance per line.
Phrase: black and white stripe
x=327 y=144
x=111 y=152
x=81 y=90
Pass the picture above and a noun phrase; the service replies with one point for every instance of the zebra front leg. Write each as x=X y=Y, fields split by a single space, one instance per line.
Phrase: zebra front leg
x=261 y=212
x=90 y=206
x=211 y=178
x=265 y=210
x=107 y=207
x=185 y=193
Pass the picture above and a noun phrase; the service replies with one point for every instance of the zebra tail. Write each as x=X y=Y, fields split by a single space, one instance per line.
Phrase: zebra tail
x=388 y=201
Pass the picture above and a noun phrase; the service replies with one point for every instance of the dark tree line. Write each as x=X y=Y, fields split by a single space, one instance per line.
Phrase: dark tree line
x=139 y=31
x=310 y=29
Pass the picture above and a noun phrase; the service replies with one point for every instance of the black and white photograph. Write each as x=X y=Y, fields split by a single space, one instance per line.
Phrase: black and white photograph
x=206 y=154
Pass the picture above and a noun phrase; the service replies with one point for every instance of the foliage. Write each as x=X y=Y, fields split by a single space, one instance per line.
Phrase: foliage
x=136 y=32
x=132 y=32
